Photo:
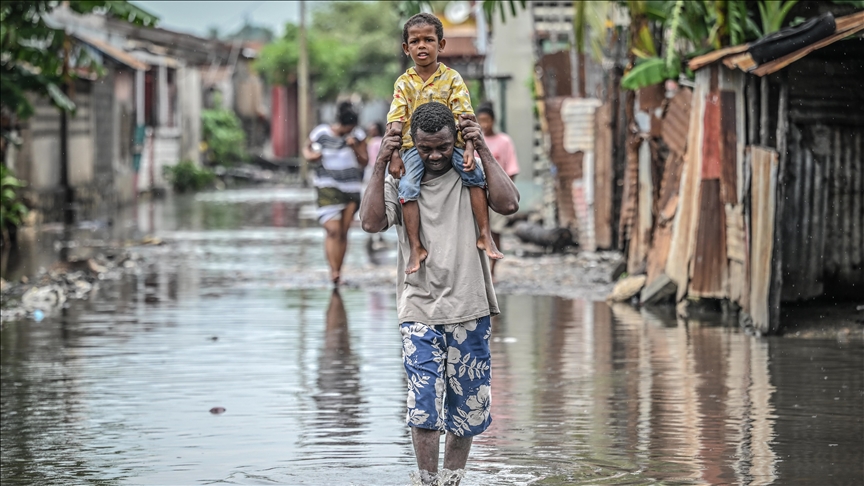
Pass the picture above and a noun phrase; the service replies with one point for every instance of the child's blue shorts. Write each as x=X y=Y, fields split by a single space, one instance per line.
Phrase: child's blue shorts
x=409 y=185
x=449 y=376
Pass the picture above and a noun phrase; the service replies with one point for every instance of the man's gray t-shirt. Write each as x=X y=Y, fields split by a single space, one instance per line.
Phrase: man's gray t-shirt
x=454 y=283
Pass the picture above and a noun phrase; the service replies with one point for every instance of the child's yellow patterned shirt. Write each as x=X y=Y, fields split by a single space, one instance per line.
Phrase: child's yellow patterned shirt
x=409 y=92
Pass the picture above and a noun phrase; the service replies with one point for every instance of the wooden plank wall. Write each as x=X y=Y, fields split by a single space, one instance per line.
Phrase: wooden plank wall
x=763 y=192
x=604 y=176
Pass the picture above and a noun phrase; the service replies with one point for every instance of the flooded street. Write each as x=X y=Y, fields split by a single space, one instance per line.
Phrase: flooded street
x=234 y=312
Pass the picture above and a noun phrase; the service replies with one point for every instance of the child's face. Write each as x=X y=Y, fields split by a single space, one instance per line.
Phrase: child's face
x=423 y=45
x=486 y=123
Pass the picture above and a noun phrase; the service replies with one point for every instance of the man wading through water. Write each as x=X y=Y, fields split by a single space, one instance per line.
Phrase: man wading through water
x=444 y=308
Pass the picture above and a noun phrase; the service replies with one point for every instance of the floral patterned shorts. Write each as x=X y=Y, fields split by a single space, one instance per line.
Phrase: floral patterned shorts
x=449 y=376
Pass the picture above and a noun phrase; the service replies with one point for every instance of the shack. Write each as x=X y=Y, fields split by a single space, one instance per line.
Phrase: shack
x=749 y=186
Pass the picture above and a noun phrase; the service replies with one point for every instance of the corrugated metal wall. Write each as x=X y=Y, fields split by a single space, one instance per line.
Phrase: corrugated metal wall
x=823 y=229
x=823 y=220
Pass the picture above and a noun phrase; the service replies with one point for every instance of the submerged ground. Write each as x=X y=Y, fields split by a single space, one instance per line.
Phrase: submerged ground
x=227 y=307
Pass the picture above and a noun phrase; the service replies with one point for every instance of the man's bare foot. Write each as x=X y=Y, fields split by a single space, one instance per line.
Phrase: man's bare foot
x=486 y=243
x=335 y=278
x=415 y=259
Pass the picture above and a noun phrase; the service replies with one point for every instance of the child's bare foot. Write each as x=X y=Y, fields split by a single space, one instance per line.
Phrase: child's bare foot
x=486 y=243
x=415 y=259
x=335 y=278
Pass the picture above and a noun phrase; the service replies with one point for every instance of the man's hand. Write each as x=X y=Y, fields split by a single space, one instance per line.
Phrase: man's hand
x=373 y=211
x=471 y=131
x=391 y=142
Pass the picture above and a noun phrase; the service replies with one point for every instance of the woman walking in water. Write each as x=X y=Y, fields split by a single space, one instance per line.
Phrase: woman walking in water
x=340 y=150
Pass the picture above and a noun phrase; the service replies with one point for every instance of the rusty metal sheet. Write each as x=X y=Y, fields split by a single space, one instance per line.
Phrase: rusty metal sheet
x=651 y=97
x=711 y=138
x=556 y=75
x=630 y=191
x=677 y=265
x=764 y=162
x=658 y=253
x=728 y=148
x=667 y=204
x=676 y=123
x=708 y=271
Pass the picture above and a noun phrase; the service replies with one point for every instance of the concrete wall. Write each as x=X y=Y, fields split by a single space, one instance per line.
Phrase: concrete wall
x=511 y=53
x=124 y=129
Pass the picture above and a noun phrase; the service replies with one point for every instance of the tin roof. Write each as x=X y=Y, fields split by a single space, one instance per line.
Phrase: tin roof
x=747 y=57
x=113 y=52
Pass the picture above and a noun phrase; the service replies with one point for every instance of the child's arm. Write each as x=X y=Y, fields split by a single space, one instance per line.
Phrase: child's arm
x=397 y=168
x=468 y=161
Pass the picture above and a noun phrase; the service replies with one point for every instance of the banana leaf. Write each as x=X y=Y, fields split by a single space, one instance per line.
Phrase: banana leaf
x=646 y=73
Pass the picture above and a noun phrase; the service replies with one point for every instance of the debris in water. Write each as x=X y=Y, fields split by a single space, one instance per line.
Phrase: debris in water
x=217 y=410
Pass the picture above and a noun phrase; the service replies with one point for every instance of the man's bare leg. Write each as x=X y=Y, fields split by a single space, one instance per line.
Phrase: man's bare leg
x=456 y=451
x=480 y=208
x=411 y=214
x=427 y=444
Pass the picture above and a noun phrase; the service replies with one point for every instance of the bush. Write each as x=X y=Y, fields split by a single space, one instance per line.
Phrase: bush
x=187 y=176
x=12 y=209
x=224 y=136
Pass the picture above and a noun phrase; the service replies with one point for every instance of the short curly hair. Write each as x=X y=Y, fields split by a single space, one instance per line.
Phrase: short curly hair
x=432 y=117
x=423 y=18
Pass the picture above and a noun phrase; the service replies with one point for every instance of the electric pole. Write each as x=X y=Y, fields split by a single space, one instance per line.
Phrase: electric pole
x=303 y=94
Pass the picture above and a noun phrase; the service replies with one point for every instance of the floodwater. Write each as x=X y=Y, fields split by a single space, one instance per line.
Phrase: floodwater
x=119 y=389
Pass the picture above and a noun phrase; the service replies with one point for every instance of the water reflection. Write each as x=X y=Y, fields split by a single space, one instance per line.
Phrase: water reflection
x=117 y=390
x=339 y=396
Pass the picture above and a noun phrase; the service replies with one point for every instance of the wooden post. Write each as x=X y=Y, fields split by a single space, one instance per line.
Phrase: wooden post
x=777 y=255
x=303 y=93
x=68 y=194
x=763 y=112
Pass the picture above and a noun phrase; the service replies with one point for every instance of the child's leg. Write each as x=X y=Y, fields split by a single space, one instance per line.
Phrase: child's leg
x=479 y=204
x=480 y=208
x=409 y=191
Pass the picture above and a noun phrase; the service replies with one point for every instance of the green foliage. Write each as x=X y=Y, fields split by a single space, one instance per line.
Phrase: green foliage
x=187 y=176
x=648 y=72
x=12 y=208
x=773 y=13
x=407 y=8
x=32 y=53
x=491 y=6
x=353 y=47
x=224 y=136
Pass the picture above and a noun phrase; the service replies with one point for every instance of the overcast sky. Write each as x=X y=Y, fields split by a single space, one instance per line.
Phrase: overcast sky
x=196 y=17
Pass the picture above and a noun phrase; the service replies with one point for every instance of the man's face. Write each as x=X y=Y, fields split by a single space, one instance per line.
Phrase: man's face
x=435 y=149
